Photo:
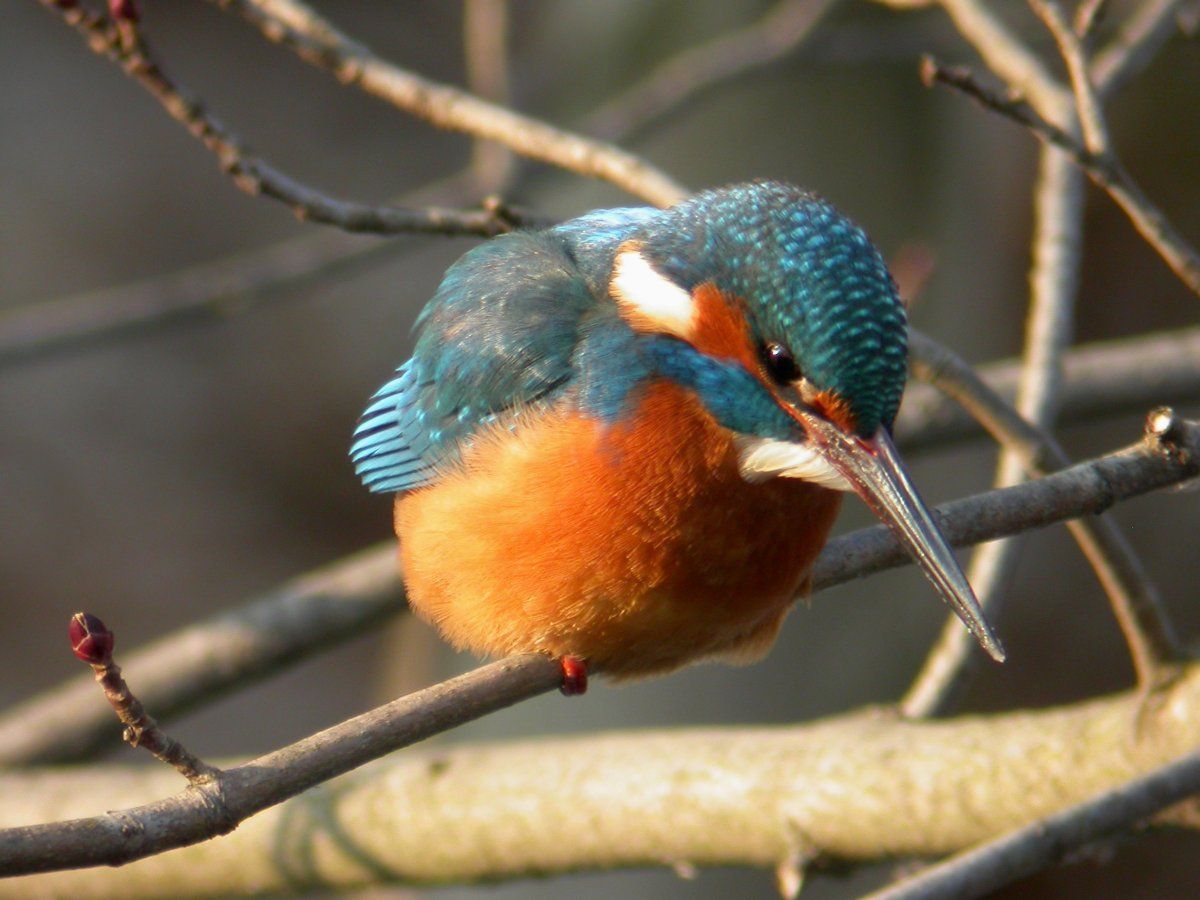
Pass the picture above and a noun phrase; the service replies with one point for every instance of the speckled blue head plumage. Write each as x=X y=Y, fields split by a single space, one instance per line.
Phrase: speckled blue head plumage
x=811 y=280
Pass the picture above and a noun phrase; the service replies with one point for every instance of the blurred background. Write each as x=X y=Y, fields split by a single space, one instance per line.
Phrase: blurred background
x=159 y=477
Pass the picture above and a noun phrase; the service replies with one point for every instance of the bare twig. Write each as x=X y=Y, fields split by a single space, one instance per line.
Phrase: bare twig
x=1102 y=379
x=92 y=642
x=1053 y=839
x=250 y=173
x=1105 y=170
x=673 y=84
x=1087 y=15
x=1138 y=40
x=211 y=658
x=1135 y=599
x=1070 y=45
x=861 y=786
x=1005 y=54
x=315 y=39
x=216 y=806
x=207 y=660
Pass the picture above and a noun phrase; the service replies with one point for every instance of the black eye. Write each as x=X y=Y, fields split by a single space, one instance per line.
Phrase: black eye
x=780 y=363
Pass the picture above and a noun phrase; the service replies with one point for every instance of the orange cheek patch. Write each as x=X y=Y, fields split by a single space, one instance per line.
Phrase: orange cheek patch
x=720 y=327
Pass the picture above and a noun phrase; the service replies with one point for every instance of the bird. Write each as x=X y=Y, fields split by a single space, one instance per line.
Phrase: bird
x=623 y=440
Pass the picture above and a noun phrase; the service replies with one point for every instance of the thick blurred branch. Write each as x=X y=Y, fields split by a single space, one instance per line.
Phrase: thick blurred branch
x=857 y=787
x=315 y=39
x=313 y=613
x=213 y=289
x=485 y=55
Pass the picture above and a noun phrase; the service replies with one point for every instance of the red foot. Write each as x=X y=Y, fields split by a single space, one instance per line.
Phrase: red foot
x=574 y=676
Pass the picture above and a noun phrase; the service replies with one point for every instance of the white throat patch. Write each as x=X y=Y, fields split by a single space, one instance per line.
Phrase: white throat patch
x=763 y=458
x=649 y=300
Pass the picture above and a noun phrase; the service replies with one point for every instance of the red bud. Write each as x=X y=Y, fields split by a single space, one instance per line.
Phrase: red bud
x=123 y=10
x=90 y=639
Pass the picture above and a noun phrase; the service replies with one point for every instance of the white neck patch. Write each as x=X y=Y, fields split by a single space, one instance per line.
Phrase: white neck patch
x=763 y=458
x=648 y=299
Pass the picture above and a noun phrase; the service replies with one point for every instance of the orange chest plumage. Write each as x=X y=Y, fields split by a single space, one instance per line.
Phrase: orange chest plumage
x=637 y=546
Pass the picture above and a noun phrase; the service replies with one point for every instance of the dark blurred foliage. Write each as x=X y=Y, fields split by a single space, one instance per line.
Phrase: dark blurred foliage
x=159 y=478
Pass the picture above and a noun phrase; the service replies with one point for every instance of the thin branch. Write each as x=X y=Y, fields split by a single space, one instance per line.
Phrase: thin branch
x=1135 y=599
x=856 y=787
x=209 y=659
x=1150 y=24
x=218 y=289
x=1054 y=839
x=250 y=173
x=1087 y=16
x=216 y=806
x=678 y=81
x=1105 y=170
x=1070 y=46
x=300 y=28
x=1005 y=54
x=1108 y=378
x=92 y=642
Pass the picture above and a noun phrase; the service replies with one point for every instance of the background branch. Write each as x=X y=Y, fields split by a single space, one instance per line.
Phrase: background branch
x=315 y=39
x=250 y=173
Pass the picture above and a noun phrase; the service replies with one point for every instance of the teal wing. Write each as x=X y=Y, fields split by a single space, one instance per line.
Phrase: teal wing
x=500 y=334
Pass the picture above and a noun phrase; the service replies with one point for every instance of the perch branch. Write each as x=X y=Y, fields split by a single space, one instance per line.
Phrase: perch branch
x=216 y=805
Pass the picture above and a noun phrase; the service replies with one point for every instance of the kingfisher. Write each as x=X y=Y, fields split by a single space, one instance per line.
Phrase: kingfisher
x=623 y=440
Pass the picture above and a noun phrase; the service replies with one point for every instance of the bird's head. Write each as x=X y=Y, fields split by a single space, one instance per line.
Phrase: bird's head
x=782 y=318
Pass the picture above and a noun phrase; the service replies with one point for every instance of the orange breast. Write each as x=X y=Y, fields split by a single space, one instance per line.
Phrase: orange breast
x=637 y=546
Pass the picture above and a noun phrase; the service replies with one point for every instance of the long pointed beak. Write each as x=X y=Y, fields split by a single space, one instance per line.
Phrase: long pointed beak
x=873 y=468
